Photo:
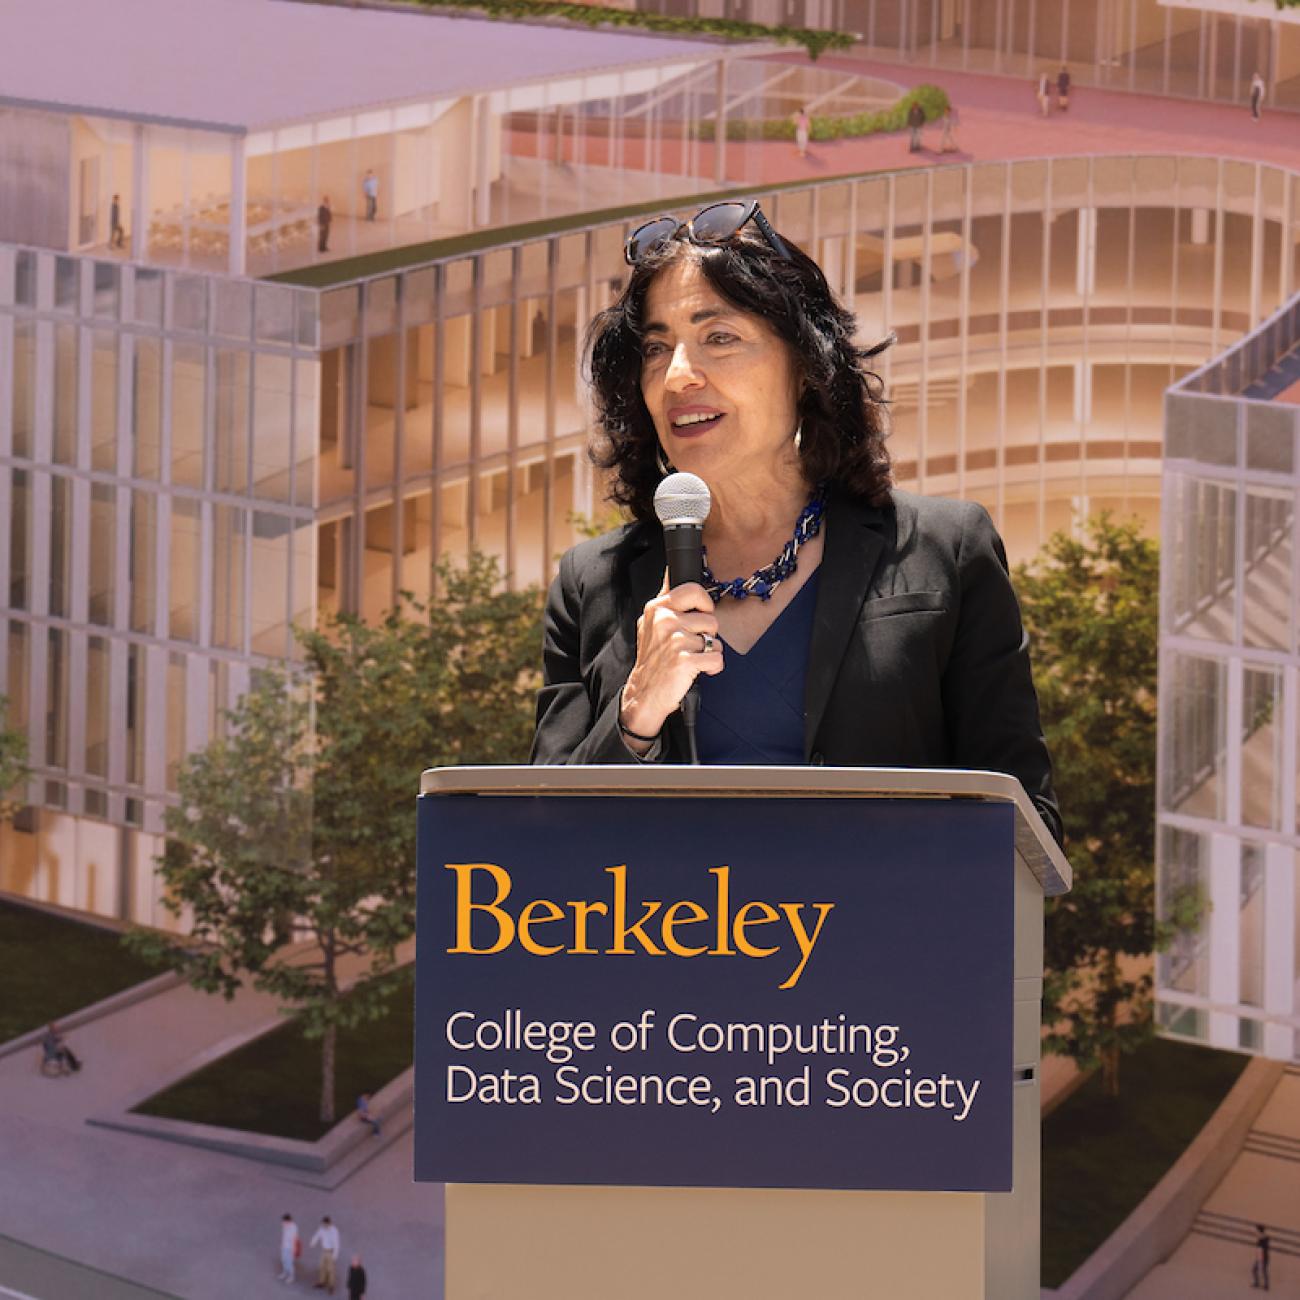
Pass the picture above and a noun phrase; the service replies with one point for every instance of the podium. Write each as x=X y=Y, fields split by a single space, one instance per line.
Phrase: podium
x=716 y=1032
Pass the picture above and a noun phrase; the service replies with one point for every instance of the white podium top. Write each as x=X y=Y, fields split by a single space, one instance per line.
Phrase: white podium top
x=1034 y=843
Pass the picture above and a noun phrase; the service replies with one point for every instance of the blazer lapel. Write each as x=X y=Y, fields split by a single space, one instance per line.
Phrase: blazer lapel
x=855 y=542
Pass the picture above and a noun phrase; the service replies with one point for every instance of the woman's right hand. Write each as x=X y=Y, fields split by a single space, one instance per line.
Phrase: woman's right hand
x=670 y=655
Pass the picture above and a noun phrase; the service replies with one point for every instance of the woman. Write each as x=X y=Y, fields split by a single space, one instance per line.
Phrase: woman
x=802 y=126
x=885 y=633
x=948 y=141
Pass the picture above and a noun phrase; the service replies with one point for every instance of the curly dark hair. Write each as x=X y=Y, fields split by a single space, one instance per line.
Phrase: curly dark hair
x=841 y=407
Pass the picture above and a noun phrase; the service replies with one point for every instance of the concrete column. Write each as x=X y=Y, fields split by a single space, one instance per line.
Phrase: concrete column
x=384 y=380
x=583 y=481
x=1231 y=764
x=482 y=170
x=238 y=255
x=455 y=334
x=1257 y=251
x=1082 y=394
x=155 y=706
x=832 y=261
x=1224 y=924
x=1279 y=948
x=78 y=653
x=196 y=698
x=139 y=194
x=720 y=125
x=1200 y=225
x=1085 y=275
x=455 y=186
x=1283 y=68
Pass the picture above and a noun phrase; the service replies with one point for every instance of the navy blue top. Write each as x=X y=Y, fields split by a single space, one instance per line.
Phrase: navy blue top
x=752 y=711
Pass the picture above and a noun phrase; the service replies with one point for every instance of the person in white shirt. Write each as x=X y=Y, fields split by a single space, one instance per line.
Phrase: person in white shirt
x=370 y=188
x=1257 y=89
x=288 y=1247
x=327 y=1238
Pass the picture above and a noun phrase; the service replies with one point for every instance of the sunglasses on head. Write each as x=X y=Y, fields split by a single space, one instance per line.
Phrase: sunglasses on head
x=712 y=225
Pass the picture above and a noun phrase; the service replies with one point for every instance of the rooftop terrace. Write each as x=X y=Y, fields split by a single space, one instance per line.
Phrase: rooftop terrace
x=248 y=65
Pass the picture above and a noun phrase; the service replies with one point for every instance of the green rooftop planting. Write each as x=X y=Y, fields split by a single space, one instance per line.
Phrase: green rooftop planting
x=815 y=42
x=346 y=270
x=879 y=121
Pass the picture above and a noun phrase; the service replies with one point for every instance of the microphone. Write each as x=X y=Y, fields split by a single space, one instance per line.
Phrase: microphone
x=682 y=504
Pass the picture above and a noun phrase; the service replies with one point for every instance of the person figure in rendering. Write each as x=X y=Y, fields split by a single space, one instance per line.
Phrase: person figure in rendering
x=1259 y=1269
x=1063 y=88
x=1044 y=94
x=364 y=1113
x=327 y=1238
x=57 y=1056
x=915 y=121
x=885 y=633
x=948 y=140
x=116 y=235
x=370 y=188
x=290 y=1247
x=1257 y=89
x=324 y=215
x=356 y=1279
x=802 y=126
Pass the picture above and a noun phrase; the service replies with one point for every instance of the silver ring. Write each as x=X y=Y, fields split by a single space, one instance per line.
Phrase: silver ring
x=709 y=644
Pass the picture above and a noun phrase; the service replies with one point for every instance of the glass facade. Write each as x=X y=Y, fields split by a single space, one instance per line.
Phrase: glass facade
x=243 y=455
x=1229 y=843
x=1034 y=350
x=393 y=176
x=126 y=582
x=1145 y=45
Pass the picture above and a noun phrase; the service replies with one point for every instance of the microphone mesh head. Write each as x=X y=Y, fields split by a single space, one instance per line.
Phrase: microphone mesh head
x=682 y=499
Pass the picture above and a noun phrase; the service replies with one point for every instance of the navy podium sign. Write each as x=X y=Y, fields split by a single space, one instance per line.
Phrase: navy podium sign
x=721 y=992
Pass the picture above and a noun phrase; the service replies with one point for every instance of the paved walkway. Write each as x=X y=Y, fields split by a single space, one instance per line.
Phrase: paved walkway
x=1262 y=1186
x=1213 y=1262
x=28 y=1274
x=196 y=1224
x=999 y=118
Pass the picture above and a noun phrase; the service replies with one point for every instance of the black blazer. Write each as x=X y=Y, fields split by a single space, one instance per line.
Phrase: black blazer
x=918 y=657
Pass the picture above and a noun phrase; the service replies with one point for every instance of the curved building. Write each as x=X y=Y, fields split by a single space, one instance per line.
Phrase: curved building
x=193 y=464
x=195 y=461
x=1191 y=49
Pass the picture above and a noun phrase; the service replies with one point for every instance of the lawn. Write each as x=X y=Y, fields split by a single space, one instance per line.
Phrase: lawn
x=272 y=1085
x=324 y=275
x=1102 y=1155
x=51 y=966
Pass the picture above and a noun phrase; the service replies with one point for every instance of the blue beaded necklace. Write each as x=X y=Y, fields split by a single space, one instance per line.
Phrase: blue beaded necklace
x=763 y=582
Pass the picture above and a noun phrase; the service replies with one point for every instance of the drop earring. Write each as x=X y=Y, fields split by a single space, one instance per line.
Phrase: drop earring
x=662 y=462
x=798 y=437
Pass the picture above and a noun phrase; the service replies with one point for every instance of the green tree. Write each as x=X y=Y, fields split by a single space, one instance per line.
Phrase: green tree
x=597 y=525
x=299 y=822
x=1090 y=607
x=13 y=765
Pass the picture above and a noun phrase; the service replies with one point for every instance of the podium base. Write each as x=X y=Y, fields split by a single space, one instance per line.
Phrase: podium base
x=647 y=1243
